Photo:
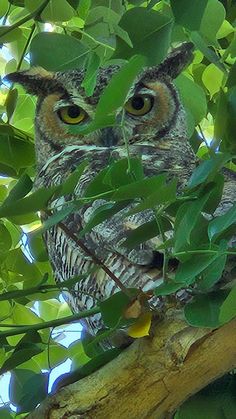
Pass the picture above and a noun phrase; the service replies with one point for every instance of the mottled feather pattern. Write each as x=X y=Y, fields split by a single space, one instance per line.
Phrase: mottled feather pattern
x=131 y=267
x=158 y=137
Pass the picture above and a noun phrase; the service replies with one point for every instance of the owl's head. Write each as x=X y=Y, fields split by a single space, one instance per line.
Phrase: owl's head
x=152 y=111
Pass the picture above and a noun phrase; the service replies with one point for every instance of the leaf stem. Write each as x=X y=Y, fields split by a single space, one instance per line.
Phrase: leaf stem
x=26 y=47
x=85 y=34
x=52 y=323
x=25 y=19
x=122 y=126
x=203 y=251
x=166 y=257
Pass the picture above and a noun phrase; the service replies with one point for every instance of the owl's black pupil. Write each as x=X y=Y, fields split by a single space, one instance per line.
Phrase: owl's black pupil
x=73 y=111
x=137 y=103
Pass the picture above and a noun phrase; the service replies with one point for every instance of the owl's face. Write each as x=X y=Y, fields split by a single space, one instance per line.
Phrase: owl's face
x=152 y=110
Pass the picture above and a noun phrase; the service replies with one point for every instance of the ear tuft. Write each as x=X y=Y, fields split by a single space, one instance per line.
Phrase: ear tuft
x=174 y=63
x=36 y=81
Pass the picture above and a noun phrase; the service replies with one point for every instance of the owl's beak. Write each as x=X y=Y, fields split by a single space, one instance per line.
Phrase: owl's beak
x=109 y=137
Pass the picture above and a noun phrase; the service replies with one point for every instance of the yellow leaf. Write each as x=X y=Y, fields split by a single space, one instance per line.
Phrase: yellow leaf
x=141 y=327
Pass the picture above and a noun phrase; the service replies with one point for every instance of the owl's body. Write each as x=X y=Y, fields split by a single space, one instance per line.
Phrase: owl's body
x=158 y=136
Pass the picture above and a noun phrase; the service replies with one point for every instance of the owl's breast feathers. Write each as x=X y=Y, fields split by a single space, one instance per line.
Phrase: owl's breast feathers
x=132 y=267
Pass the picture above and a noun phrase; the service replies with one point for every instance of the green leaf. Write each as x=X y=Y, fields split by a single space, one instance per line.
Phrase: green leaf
x=3 y=7
x=7 y=35
x=212 y=273
x=145 y=232
x=70 y=183
x=212 y=20
x=56 y=218
x=164 y=195
x=124 y=171
x=57 y=11
x=97 y=186
x=231 y=81
x=17 y=262
x=122 y=35
x=228 y=308
x=83 y=9
x=212 y=78
x=27 y=389
x=20 y=190
x=6 y=413
x=37 y=248
x=68 y=52
x=191 y=268
x=207 y=169
x=77 y=354
x=167 y=288
x=227 y=129
x=90 y=79
x=193 y=97
x=53 y=309
x=152 y=39
x=112 y=309
x=210 y=54
x=102 y=13
x=204 y=310
x=114 y=176
x=140 y=189
x=29 y=346
x=5 y=239
x=221 y=223
x=189 y=14
x=19 y=3
x=102 y=213
x=187 y=218
x=216 y=401
x=56 y=353
x=113 y=98
x=34 y=202
x=3 y=193
x=15 y=152
x=11 y=102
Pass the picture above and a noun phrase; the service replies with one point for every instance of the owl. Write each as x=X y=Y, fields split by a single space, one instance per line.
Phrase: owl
x=155 y=126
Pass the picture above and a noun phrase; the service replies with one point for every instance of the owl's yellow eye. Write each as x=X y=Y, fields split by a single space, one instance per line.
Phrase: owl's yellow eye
x=139 y=105
x=72 y=114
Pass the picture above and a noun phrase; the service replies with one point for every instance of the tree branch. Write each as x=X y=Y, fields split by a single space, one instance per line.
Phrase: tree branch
x=151 y=378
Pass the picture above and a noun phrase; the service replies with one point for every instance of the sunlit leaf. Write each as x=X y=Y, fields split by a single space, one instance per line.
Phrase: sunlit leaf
x=193 y=97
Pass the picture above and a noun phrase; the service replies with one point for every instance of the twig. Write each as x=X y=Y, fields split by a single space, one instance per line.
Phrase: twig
x=26 y=18
x=97 y=261
x=52 y=323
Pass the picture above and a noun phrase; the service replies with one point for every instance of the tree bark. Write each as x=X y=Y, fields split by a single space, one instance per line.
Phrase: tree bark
x=151 y=378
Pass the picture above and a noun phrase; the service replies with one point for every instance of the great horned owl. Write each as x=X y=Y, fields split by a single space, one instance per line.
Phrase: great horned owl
x=155 y=127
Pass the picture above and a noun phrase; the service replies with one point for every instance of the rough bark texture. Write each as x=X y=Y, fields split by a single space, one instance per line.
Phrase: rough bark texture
x=151 y=378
